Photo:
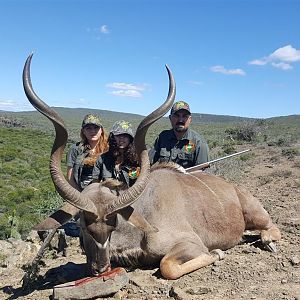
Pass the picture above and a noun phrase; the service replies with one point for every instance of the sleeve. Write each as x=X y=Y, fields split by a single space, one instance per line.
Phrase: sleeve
x=72 y=155
x=98 y=170
x=202 y=153
x=154 y=152
x=151 y=154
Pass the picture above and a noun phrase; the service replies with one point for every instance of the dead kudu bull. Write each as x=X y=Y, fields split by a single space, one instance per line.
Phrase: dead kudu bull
x=180 y=220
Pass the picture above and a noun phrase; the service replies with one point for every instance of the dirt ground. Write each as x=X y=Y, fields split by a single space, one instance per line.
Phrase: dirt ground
x=247 y=272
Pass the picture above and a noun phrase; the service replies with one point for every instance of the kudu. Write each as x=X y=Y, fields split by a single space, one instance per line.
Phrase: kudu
x=180 y=220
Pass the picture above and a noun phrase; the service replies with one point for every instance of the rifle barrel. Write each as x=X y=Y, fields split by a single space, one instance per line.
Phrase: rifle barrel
x=207 y=164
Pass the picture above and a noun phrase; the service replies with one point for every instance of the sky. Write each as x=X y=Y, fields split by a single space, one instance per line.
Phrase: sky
x=228 y=57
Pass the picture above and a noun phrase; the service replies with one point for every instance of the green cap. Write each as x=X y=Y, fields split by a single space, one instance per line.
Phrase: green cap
x=180 y=105
x=91 y=119
x=122 y=127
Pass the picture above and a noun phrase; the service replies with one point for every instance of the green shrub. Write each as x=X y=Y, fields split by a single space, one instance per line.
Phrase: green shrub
x=282 y=173
x=2 y=259
x=280 y=142
x=247 y=156
x=241 y=133
x=228 y=148
x=290 y=153
x=264 y=180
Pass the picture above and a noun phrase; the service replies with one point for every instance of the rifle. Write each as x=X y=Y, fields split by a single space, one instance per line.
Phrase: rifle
x=207 y=164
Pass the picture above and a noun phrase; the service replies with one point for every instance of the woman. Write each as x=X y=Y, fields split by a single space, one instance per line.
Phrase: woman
x=120 y=162
x=83 y=155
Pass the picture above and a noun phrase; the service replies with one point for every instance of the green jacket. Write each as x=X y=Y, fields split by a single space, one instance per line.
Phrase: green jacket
x=82 y=173
x=190 y=151
x=105 y=168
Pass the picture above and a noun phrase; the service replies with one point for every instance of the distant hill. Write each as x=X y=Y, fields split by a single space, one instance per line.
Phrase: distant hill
x=73 y=118
x=292 y=119
x=74 y=115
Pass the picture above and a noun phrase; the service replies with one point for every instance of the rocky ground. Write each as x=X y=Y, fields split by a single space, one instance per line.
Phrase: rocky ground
x=247 y=272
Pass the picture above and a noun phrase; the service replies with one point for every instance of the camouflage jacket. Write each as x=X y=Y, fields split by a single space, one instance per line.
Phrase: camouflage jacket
x=82 y=173
x=191 y=150
x=105 y=168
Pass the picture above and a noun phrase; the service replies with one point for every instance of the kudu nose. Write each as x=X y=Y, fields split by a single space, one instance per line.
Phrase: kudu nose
x=101 y=269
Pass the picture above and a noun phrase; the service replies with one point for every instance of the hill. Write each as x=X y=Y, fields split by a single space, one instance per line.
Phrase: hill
x=73 y=118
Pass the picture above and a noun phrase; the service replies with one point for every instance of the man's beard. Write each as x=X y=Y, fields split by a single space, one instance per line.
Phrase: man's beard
x=180 y=128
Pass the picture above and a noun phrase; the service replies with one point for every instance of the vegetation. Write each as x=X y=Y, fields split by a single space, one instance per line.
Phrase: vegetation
x=26 y=189
x=27 y=193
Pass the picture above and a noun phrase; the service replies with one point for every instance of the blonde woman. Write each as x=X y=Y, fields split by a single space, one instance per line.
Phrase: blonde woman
x=83 y=155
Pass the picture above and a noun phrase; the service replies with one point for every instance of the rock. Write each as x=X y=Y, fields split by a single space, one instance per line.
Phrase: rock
x=178 y=294
x=215 y=269
x=119 y=295
x=198 y=291
x=284 y=281
x=33 y=237
x=295 y=260
x=92 y=287
x=17 y=252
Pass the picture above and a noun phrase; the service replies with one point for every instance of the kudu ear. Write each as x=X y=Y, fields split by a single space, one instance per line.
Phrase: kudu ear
x=59 y=218
x=136 y=219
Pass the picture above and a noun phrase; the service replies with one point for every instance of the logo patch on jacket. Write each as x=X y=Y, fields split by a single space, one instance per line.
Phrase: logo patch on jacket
x=190 y=147
x=134 y=173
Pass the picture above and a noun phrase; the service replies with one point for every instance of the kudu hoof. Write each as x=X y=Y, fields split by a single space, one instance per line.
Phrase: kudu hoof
x=219 y=252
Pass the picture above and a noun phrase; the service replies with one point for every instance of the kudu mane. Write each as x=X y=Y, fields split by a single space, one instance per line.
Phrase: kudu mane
x=168 y=166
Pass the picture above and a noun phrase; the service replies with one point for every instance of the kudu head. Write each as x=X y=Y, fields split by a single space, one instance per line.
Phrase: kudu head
x=97 y=204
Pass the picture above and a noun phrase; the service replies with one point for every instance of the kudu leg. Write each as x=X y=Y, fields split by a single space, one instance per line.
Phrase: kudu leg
x=186 y=257
x=257 y=218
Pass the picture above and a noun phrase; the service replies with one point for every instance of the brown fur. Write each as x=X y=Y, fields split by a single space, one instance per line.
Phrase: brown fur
x=190 y=216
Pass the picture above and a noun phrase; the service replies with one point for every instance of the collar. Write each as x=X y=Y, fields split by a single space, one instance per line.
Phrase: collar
x=187 y=135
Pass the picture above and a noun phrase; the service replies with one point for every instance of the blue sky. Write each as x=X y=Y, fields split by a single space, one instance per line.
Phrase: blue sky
x=228 y=57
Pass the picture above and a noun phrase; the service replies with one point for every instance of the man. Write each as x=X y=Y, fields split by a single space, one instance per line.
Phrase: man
x=180 y=144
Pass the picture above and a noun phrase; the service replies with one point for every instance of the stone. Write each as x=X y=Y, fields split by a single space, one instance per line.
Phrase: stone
x=178 y=294
x=103 y=285
x=295 y=260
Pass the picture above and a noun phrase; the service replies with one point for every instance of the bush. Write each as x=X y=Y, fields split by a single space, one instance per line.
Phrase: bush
x=228 y=148
x=280 y=142
x=241 y=133
x=290 y=153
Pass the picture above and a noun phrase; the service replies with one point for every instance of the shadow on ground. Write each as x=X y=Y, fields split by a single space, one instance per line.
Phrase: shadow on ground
x=53 y=277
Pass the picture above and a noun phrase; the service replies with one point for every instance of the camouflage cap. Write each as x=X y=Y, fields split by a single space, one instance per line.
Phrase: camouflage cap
x=91 y=119
x=122 y=127
x=180 y=105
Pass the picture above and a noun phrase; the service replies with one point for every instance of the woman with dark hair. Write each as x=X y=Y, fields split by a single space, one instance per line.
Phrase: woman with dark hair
x=120 y=162
x=83 y=155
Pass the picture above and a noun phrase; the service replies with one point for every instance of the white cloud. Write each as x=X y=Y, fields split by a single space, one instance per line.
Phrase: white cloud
x=282 y=66
x=195 y=82
x=287 y=54
x=11 y=105
x=221 y=69
x=126 y=89
x=127 y=93
x=126 y=86
x=98 y=31
x=282 y=58
x=258 y=62
x=104 y=29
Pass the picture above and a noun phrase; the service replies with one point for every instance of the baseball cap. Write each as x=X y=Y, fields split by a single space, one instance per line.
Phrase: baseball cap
x=180 y=105
x=91 y=119
x=122 y=127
